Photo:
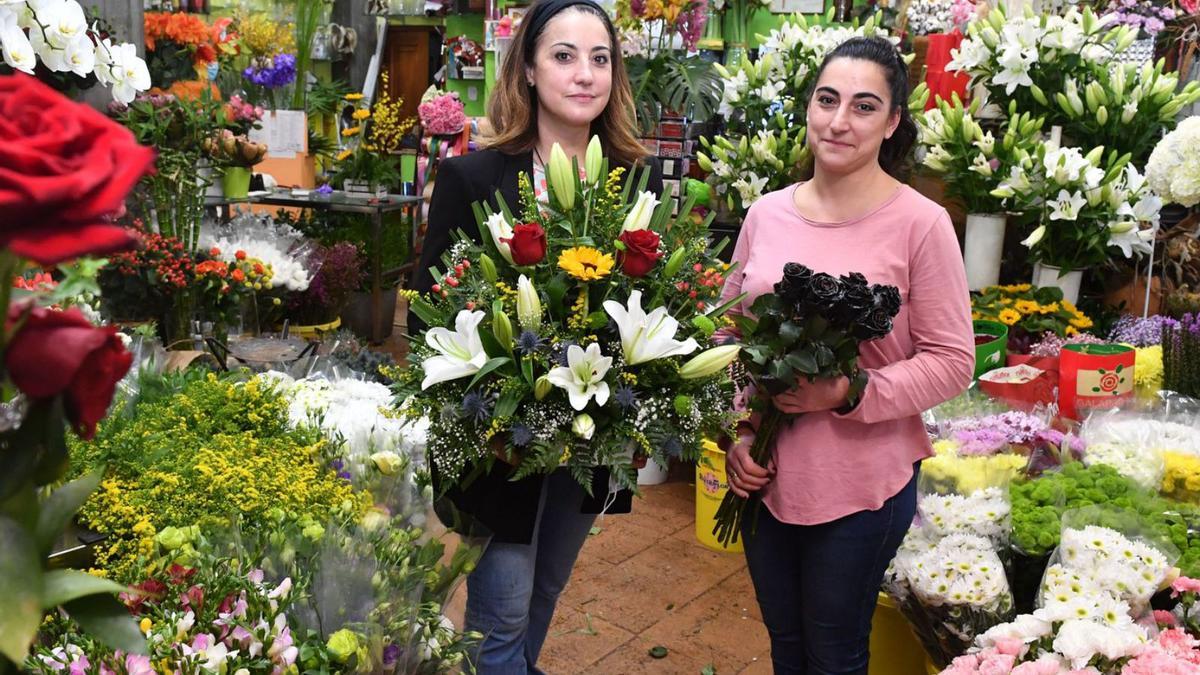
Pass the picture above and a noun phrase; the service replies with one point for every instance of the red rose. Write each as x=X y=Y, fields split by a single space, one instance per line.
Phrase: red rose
x=641 y=252
x=528 y=244
x=64 y=169
x=57 y=352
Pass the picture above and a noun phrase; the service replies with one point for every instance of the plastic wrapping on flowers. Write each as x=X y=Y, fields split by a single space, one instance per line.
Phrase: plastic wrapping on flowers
x=211 y=477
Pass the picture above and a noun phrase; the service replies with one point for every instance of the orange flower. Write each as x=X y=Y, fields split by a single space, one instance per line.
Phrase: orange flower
x=212 y=266
x=190 y=90
x=238 y=276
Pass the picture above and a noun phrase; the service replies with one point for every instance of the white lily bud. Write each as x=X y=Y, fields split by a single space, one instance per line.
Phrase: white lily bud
x=583 y=426
x=638 y=217
x=529 y=305
x=709 y=362
x=594 y=161
x=1034 y=237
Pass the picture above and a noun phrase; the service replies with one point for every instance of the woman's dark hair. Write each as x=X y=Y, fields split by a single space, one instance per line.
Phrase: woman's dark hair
x=513 y=106
x=881 y=52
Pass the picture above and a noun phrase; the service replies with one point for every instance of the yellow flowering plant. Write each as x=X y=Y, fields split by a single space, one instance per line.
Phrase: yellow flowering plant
x=573 y=335
x=1029 y=312
x=369 y=145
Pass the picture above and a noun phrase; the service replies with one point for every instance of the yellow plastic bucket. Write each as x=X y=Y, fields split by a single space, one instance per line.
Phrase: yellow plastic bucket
x=315 y=331
x=894 y=648
x=711 y=487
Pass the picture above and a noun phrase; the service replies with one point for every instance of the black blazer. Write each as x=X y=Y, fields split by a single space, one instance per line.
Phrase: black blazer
x=504 y=508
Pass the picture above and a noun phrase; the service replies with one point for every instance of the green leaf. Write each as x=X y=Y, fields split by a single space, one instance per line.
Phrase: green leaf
x=488 y=367
x=804 y=362
x=107 y=620
x=597 y=319
x=63 y=586
x=61 y=506
x=789 y=332
x=816 y=327
x=556 y=290
x=20 y=590
x=527 y=369
x=508 y=401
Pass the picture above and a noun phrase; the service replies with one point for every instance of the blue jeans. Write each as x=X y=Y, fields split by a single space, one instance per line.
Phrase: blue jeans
x=817 y=585
x=512 y=591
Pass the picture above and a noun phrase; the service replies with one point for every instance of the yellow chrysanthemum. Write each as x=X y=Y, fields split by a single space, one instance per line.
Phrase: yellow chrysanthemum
x=354 y=97
x=344 y=155
x=1148 y=370
x=1009 y=317
x=352 y=131
x=586 y=263
x=361 y=114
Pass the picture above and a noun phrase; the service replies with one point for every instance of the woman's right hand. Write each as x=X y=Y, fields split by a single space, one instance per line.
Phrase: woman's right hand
x=744 y=475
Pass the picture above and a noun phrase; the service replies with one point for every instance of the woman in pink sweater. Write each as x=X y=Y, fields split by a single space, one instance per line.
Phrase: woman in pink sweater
x=840 y=491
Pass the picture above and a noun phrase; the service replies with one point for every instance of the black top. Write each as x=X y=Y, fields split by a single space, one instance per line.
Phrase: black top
x=506 y=509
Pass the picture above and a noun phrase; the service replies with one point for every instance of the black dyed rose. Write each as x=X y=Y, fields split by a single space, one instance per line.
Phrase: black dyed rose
x=857 y=300
x=854 y=279
x=794 y=284
x=887 y=297
x=824 y=291
x=874 y=325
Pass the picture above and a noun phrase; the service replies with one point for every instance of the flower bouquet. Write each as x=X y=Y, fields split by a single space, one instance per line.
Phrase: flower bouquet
x=811 y=326
x=951 y=588
x=611 y=298
x=269 y=75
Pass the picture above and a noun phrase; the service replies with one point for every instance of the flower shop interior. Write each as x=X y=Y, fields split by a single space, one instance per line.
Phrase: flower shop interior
x=213 y=387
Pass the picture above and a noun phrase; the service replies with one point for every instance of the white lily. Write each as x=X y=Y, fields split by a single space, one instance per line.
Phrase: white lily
x=583 y=376
x=529 y=305
x=1067 y=205
x=645 y=337
x=461 y=351
x=1034 y=237
x=638 y=217
x=500 y=228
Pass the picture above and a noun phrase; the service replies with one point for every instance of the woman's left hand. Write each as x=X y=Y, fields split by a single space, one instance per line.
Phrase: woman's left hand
x=823 y=394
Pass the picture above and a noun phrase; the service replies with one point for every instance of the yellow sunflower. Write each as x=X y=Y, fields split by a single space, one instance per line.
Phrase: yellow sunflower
x=361 y=114
x=1051 y=308
x=586 y=263
x=354 y=97
x=1026 y=306
x=1009 y=316
x=1081 y=322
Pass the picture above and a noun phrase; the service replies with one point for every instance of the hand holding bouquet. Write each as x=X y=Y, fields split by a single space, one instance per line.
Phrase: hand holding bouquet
x=810 y=327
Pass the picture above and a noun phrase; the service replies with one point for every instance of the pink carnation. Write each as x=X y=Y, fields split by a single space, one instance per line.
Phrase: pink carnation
x=1184 y=585
x=1043 y=666
x=442 y=116
x=1010 y=645
x=1164 y=618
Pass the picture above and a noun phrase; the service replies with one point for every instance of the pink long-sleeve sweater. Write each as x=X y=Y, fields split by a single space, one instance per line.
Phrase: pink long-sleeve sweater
x=831 y=465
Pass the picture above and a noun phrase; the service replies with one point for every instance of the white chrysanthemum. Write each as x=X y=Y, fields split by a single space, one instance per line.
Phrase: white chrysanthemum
x=1173 y=169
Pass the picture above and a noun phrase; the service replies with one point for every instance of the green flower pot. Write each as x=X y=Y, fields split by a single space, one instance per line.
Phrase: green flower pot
x=236 y=182
x=990 y=355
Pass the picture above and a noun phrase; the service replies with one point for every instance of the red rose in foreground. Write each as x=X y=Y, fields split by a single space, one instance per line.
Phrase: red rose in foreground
x=57 y=352
x=528 y=244
x=64 y=168
x=641 y=252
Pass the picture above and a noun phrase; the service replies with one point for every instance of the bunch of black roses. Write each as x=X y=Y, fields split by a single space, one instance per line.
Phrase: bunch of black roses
x=811 y=327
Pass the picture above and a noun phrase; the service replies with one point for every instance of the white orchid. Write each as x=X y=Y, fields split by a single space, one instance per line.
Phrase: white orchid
x=646 y=337
x=460 y=352
x=14 y=45
x=500 y=228
x=583 y=376
x=127 y=72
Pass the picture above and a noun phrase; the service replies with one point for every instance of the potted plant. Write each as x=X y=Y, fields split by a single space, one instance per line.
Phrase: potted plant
x=1087 y=209
x=366 y=165
x=337 y=271
x=971 y=163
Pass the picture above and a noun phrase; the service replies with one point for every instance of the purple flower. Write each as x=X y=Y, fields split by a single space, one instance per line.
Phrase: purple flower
x=391 y=654
x=325 y=189
x=271 y=72
x=990 y=434
x=1140 y=332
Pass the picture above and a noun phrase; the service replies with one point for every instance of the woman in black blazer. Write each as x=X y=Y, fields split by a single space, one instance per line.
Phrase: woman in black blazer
x=562 y=82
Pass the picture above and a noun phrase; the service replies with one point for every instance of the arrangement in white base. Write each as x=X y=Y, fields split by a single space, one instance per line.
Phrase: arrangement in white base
x=1049 y=275
x=983 y=247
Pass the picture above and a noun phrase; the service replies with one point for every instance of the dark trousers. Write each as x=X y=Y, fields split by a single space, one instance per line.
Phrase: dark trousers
x=817 y=585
